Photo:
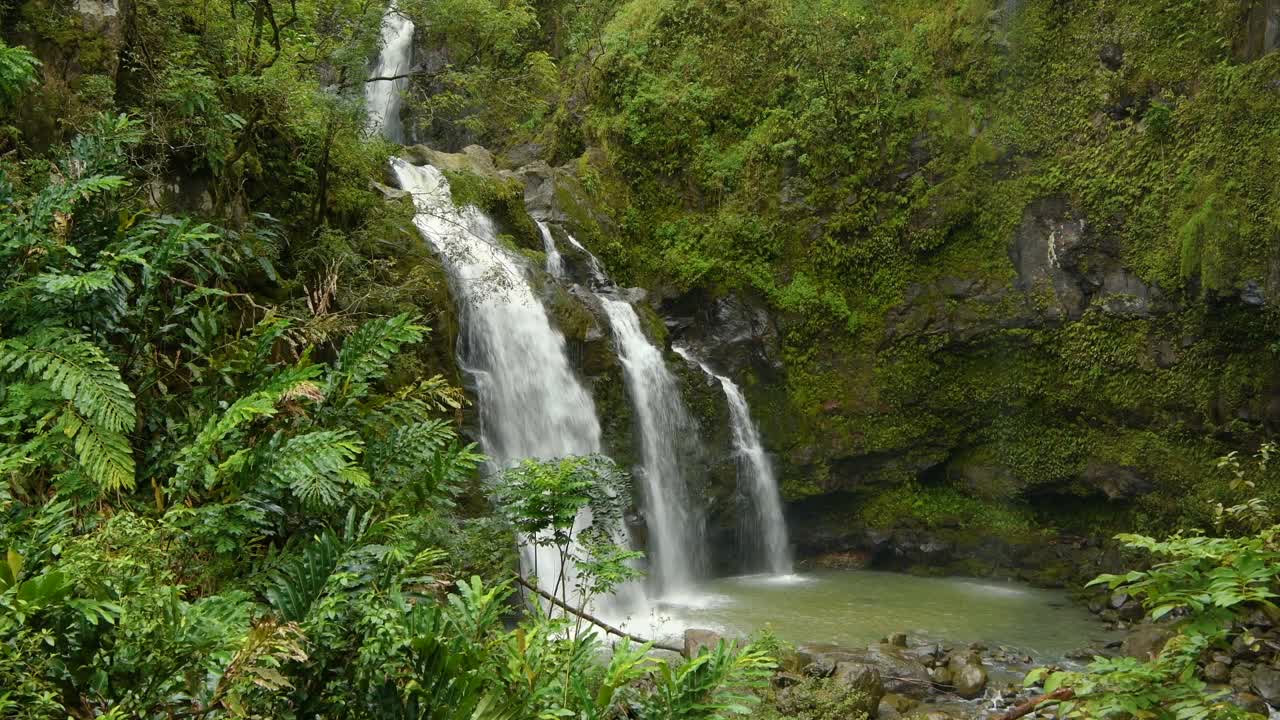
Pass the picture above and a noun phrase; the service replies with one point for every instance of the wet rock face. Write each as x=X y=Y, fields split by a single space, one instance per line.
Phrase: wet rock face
x=1259 y=31
x=1060 y=269
x=1043 y=251
x=734 y=335
x=1055 y=252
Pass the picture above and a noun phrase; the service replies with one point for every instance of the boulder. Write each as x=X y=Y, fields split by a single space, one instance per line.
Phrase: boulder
x=1251 y=703
x=696 y=640
x=899 y=672
x=898 y=703
x=1217 y=672
x=1241 y=678
x=970 y=681
x=1145 y=642
x=902 y=674
x=786 y=680
x=1266 y=682
x=820 y=659
x=865 y=679
x=959 y=660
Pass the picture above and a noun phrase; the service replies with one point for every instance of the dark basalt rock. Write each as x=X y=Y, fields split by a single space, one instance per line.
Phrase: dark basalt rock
x=1116 y=482
x=1146 y=641
x=1111 y=56
x=734 y=335
x=1259 y=32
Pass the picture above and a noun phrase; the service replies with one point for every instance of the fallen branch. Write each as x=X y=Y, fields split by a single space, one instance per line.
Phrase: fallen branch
x=594 y=620
x=401 y=76
x=1029 y=706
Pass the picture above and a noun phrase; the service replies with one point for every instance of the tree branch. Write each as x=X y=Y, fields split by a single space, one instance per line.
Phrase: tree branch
x=401 y=76
x=594 y=620
x=1029 y=706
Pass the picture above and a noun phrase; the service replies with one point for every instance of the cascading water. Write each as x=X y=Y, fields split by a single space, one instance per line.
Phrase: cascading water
x=594 y=266
x=555 y=263
x=676 y=537
x=766 y=535
x=531 y=404
x=382 y=97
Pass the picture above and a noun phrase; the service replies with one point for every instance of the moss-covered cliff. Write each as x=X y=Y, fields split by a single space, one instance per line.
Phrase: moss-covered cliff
x=1017 y=259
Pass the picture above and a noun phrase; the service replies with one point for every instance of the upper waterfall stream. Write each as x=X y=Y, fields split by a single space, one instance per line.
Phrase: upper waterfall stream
x=382 y=97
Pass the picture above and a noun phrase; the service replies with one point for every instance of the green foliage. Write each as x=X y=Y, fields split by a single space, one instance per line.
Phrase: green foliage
x=223 y=496
x=1205 y=584
x=496 y=82
x=101 y=406
x=546 y=503
x=717 y=683
x=17 y=72
x=933 y=507
x=823 y=699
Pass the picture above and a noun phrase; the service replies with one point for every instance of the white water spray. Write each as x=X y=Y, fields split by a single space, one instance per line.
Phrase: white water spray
x=555 y=263
x=594 y=266
x=531 y=404
x=383 y=97
x=767 y=530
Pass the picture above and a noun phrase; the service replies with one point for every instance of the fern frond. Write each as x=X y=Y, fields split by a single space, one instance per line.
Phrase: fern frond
x=318 y=466
x=17 y=71
x=100 y=407
x=107 y=457
x=78 y=371
x=368 y=351
x=194 y=458
x=77 y=285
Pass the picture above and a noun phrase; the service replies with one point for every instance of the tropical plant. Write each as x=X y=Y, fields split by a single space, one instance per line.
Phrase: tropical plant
x=1203 y=585
x=573 y=506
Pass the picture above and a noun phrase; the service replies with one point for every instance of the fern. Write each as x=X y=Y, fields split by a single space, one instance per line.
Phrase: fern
x=297 y=585
x=368 y=351
x=194 y=459
x=318 y=466
x=77 y=370
x=715 y=684
x=100 y=406
x=106 y=457
x=17 y=71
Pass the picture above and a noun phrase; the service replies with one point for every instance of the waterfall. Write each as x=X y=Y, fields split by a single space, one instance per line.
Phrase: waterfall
x=382 y=97
x=676 y=542
x=766 y=529
x=555 y=263
x=531 y=404
x=594 y=266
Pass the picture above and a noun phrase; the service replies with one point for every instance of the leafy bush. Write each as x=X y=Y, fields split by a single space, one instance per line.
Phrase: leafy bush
x=1204 y=584
x=823 y=699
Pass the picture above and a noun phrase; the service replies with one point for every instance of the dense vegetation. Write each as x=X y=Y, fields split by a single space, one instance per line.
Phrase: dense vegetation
x=234 y=482
x=231 y=485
